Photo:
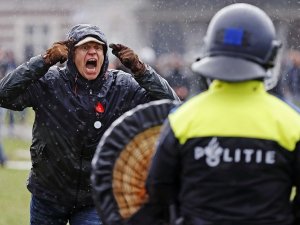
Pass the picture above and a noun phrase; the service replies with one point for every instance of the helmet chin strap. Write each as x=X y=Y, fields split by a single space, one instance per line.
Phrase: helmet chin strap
x=270 y=59
x=274 y=73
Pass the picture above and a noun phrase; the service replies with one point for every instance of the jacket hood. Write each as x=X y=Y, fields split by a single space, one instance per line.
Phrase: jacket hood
x=76 y=34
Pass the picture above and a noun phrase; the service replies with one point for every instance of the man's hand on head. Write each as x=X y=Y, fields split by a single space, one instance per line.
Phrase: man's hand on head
x=57 y=53
x=128 y=58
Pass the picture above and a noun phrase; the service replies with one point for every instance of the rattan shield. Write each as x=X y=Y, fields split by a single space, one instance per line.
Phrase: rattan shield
x=122 y=159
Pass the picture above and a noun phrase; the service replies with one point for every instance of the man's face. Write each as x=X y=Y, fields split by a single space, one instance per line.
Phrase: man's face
x=88 y=59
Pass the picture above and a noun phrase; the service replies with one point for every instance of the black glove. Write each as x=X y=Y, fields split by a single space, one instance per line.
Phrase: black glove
x=57 y=53
x=128 y=58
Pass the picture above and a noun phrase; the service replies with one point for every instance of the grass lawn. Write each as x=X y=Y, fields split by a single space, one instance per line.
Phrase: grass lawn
x=16 y=149
x=14 y=197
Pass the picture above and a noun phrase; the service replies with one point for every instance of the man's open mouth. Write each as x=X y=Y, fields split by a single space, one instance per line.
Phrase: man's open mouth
x=91 y=63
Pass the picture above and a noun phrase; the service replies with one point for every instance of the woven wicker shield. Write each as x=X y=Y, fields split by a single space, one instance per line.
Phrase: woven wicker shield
x=122 y=160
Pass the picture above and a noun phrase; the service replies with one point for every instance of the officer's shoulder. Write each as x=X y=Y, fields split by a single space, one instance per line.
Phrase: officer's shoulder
x=284 y=111
x=187 y=108
x=288 y=103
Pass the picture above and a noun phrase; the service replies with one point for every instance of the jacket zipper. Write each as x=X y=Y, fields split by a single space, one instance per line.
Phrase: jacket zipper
x=80 y=168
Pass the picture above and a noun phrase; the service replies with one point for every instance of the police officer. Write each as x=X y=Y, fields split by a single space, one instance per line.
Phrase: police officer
x=231 y=155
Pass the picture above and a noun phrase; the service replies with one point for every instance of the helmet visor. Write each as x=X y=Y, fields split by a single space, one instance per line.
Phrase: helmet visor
x=228 y=68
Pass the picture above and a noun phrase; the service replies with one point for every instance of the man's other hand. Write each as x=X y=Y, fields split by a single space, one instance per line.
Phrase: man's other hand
x=128 y=58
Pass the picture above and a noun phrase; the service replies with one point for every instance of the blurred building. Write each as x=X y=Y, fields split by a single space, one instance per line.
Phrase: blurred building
x=178 y=25
x=28 y=27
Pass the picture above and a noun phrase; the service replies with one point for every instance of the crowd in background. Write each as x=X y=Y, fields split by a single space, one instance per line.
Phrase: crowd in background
x=174 y=68
x=8 y=117
x=289 y=80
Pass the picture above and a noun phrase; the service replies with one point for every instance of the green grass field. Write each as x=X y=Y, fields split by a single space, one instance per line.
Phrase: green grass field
x=16 y=149
x=14 y=196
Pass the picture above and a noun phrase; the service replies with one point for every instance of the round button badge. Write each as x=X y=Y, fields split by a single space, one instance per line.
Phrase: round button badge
x=97 y=124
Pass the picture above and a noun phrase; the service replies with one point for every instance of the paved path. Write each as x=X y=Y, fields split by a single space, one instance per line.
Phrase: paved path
x=18 y=165
x=23 y=131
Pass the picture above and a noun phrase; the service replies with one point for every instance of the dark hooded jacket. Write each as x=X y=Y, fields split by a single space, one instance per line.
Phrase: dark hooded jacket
x=64 y=136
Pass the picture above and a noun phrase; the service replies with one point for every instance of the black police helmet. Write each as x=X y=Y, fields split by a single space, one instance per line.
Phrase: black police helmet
x=240 y=45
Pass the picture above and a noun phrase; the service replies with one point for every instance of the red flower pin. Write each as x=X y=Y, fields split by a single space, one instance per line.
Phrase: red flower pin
x=99 y=107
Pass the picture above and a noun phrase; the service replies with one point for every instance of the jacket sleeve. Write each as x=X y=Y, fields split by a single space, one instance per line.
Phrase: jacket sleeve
x=163 y=178
x=156 y=86
x=14 y=86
